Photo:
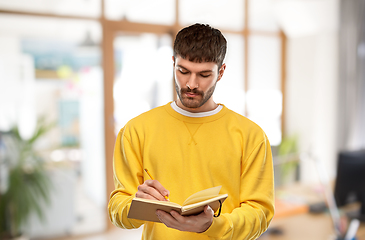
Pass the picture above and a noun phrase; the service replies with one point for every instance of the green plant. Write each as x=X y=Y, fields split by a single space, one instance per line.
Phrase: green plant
x=27 y=182
x=288 y=149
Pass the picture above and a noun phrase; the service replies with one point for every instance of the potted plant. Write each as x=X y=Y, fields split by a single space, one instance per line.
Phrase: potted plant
x=24 y=179
x=287 y=160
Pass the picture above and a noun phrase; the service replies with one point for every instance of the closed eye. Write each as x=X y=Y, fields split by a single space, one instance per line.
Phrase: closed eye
x=182 y=72
x=205 y=76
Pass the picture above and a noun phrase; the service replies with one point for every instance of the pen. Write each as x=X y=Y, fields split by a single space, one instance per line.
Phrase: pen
x=153 y=179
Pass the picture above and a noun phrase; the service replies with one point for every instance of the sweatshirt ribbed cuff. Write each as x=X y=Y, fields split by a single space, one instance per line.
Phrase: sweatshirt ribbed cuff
x=220 y=227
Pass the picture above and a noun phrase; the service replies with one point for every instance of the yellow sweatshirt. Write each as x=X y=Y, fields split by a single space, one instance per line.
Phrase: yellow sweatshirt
x=186 y=155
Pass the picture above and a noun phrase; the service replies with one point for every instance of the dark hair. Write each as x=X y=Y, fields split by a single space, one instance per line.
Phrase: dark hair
x=200 y=43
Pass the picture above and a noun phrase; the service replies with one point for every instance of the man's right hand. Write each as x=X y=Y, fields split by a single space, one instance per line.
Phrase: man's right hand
x=152 y=189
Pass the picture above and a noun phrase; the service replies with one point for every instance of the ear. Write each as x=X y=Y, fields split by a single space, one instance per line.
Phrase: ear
x=173 y=60
x=221 y=71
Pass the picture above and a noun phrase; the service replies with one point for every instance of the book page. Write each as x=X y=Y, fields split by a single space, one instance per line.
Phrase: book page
x=202 y=195
x=204 y=202
x=164 y=203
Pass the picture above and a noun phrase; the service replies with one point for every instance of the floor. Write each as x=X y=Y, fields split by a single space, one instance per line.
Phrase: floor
x=113 y=234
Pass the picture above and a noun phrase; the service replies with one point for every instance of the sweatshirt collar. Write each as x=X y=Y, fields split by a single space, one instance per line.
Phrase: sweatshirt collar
x=199 y=114
x=202 y=119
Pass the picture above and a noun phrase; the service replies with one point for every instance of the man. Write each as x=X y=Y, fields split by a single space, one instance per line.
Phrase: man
x=194 y=144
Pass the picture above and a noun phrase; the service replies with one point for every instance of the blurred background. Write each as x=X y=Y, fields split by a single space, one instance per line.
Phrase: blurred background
x=73 y=72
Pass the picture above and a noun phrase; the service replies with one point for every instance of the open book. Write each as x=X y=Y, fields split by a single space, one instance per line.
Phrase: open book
x=145 y=209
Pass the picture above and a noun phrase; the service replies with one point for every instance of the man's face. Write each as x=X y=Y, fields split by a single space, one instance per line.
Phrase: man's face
x=195 y=84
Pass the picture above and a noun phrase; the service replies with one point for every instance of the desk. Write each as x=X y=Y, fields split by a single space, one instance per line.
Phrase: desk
x=305 y=226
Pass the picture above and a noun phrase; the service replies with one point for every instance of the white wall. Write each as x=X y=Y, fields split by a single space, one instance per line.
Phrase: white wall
x=312 y=87
x=92 y=135
x=312 y=98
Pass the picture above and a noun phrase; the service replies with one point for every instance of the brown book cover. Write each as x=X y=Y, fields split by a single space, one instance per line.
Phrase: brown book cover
x=145 y=209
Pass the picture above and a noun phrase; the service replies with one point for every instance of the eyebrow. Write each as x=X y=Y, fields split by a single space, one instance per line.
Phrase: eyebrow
x=204 y=71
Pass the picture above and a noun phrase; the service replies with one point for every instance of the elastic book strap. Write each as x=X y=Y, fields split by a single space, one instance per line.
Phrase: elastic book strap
x=220 y=209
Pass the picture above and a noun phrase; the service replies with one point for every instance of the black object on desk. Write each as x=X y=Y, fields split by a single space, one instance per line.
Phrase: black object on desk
x=318 y=208
x=350 y=182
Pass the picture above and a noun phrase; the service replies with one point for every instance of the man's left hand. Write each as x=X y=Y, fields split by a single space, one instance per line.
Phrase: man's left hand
x=196 y=223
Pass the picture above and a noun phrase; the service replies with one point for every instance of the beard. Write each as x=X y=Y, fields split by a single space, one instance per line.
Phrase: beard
x=197 y=101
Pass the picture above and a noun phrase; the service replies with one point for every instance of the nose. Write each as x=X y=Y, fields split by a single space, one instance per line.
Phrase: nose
x=192 y=83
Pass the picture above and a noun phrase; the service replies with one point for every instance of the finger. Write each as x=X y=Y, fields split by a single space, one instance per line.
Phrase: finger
x=177 y=216
x=149 y=192
x=143 y=195
x=167 y=219
x=158 y=186
x=159 y=214
x=208 y=211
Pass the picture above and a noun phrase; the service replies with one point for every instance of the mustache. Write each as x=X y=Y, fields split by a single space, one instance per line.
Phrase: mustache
x=188 y=90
